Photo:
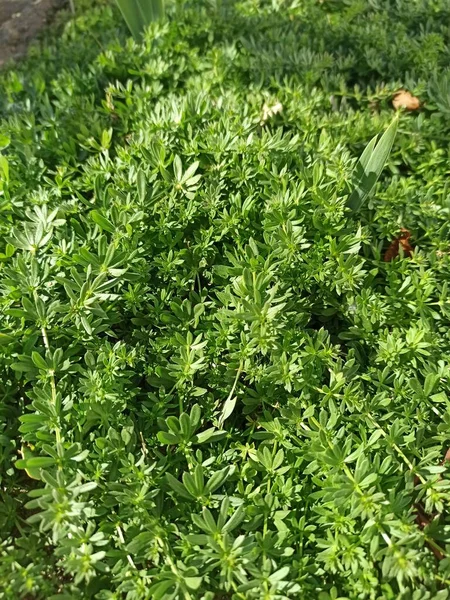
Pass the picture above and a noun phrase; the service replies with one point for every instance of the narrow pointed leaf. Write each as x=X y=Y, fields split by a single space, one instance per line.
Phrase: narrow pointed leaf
x=132 y=16
x=370 y=166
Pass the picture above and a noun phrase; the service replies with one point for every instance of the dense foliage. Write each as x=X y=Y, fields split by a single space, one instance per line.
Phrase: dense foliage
x=213 y=386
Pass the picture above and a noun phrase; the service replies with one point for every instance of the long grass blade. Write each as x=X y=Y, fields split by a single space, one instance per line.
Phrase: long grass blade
x=151 y=10
x=131 y=13
x=138 y=14
x=370 y=166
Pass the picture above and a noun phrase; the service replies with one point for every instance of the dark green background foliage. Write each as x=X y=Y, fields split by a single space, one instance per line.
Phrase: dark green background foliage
x=218 y=387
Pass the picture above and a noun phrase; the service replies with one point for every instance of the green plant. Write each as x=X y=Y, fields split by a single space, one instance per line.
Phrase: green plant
x=138 y=14
x=213 y=384
x=370 y=166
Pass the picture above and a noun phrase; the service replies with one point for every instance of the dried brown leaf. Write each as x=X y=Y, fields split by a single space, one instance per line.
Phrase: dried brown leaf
x=401 y=241
x=404 y=99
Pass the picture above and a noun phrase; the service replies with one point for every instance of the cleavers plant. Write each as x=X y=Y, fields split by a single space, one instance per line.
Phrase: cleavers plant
x=213 y=386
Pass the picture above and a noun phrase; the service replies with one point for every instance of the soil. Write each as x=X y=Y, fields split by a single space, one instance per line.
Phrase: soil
x=20 y=22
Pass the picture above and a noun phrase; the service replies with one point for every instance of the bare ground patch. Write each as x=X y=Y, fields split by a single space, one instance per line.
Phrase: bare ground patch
x=20 y=22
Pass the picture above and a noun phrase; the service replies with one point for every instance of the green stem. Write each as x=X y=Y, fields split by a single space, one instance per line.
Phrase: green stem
x=122 y=541
x=398 y=450
x=52 y=383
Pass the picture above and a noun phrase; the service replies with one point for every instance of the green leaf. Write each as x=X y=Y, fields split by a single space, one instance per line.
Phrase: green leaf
x=206 y=436
x=133 y=17
x=194 y=485
x=140 y=542
x=374 y=437
x=370 y=166
x=151 y=10
x=4 y=168
x=431 y=381
x=81 y=456
x=177 y=486
x=86 y=325
x=158 y=590
x=185 y=426
x=6 y=339
x=217 y=479
x=195 y=416
x=84 y=488
x=197 y=539
x=35 y=463
x=165 y=437
x=39 y=361
x=102 y=222
x=141 y=185
x=279 y=575
x=235 y=520
x=193 y=583
x=227 y=409
x=368 y=480
x=4 y=141
x=125 y=434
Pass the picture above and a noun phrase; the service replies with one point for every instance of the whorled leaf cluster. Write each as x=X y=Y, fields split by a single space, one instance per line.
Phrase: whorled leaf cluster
x=213 y=386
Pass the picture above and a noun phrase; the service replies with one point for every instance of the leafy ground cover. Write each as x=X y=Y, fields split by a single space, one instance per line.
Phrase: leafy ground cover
x=213 y=384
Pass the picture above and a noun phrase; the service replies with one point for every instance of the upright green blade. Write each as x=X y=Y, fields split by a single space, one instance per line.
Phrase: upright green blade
x=151 y=10
x=368 y=150
x=159 y=9
x=132 y=15
x=370 y=166
x=138 y=14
